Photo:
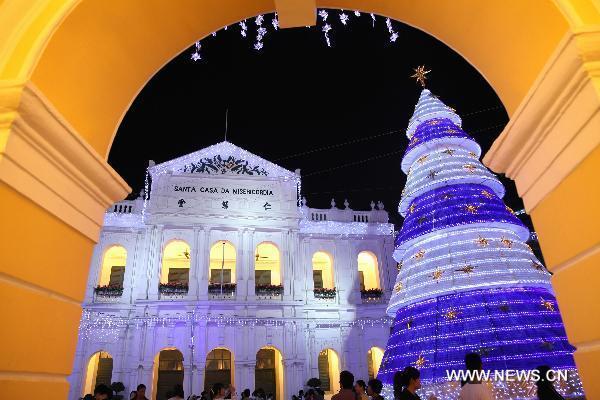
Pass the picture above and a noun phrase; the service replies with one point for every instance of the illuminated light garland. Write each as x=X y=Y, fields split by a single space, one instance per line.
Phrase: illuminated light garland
x=475 y=285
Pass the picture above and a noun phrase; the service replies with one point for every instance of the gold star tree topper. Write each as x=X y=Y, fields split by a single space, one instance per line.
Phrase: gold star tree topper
x=420 y=74
x=420 y=363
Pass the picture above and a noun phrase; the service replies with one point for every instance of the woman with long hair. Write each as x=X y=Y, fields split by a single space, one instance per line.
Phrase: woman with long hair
x=406 y=384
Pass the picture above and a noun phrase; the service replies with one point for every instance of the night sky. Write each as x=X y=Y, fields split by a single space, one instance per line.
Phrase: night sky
x=336 y=113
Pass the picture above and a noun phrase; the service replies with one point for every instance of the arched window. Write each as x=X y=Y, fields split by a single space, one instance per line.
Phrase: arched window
x=267 y=266
x=222 y=263
x=374 y=357
x=167 y=372
x=368 y=271
x=219 y=368
x=329 y=371
x=268 y=374
x=99 y=370
x=112 y=271
x=176 y=263
x=322 y=264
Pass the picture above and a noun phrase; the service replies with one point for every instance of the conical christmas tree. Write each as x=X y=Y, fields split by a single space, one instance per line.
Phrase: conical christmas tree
x=467 y=280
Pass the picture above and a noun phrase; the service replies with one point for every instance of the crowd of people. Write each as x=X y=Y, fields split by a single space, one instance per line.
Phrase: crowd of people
x=406 y=384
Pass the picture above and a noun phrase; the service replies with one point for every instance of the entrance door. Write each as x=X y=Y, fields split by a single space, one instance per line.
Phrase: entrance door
x=265 y=377
x=170 y=372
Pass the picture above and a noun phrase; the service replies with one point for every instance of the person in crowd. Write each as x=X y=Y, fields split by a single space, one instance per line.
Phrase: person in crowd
x=474 y=389
x=406 y=384
x=346 y=384
x=246 y=394
x=374 y=388
x=311 y=394
x=300 y=394
x=315 y=384
x=218 y=391
x=103 y=392
x=269 y=396
x=204 y=395
x=88 y=396
x=140 y=392
x=545 y=388
x=177 y=393
x=132 y=395
x=361 y=390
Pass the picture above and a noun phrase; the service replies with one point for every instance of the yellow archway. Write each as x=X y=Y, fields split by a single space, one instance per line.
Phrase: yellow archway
x=219 y=368
x=368 y=269
x=58 y=120
x=167 y=371
x=329 y=371
x=374 y=358
x=112 y=270
x=322 y=266
x=98 y=370
x=222 y=260
x=176 y=261
x=267 y=265
x=269 y=372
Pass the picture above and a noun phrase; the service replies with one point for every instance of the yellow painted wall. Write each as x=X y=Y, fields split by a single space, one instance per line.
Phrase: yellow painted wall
x=174 y=257
x=367 y=264
x=113 y=256
x=217 y=257
x=322 y=261
x=271 y=262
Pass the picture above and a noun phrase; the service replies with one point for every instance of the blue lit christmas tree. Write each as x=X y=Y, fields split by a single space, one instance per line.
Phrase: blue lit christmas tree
x=467 y=280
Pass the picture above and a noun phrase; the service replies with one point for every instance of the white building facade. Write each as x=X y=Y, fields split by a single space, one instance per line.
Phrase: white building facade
x=222 y=274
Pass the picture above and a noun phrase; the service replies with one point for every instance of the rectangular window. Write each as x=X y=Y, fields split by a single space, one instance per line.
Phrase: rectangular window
x=117 y=275
x=262 y=277
x=215 y=275
x=318 y=279
x=180 y=275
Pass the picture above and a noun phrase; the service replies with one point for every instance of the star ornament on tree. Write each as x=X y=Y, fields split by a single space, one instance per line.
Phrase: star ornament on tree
x=398 y=287
x=421 y=361
x=450 y=152
x=420 y=74
x=548 y=345
x=411 y=209
x=481 y=241
x=431 y=174
x=451 y=314
x=537 y=265
x=506 y=242
x=487 y=194
x=419 y=254
x=422 y=159
x=471 y=208
x=437 y=274
x=399 y=265
x=467 y=269
x=547 y=304
x=470 y=168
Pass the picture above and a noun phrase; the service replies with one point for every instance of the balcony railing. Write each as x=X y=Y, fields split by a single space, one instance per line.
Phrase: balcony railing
x=325 y=293
x=173 y=290
x=371 y=295
x=221 y=291
x=108 y=293
x=268 y=291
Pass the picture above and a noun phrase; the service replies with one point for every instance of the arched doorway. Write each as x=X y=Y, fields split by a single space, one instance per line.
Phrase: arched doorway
x=219 y=368
x=323 y=280
x=168 y=372
x=329 y=371
x=175 y=271
x=222 y=268
x=368 y=271
x=374 y=357
x=112 y=271
x=267 y=269
x=268 y=374
x=98 y=371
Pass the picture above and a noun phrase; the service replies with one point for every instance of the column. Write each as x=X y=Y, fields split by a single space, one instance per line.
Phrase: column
x=154 y=262
x=194 y=267
x=241 y=267
x=249 y=264
x=202 y=257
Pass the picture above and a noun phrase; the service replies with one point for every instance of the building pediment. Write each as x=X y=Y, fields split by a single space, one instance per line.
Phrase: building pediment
x=222 y=159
